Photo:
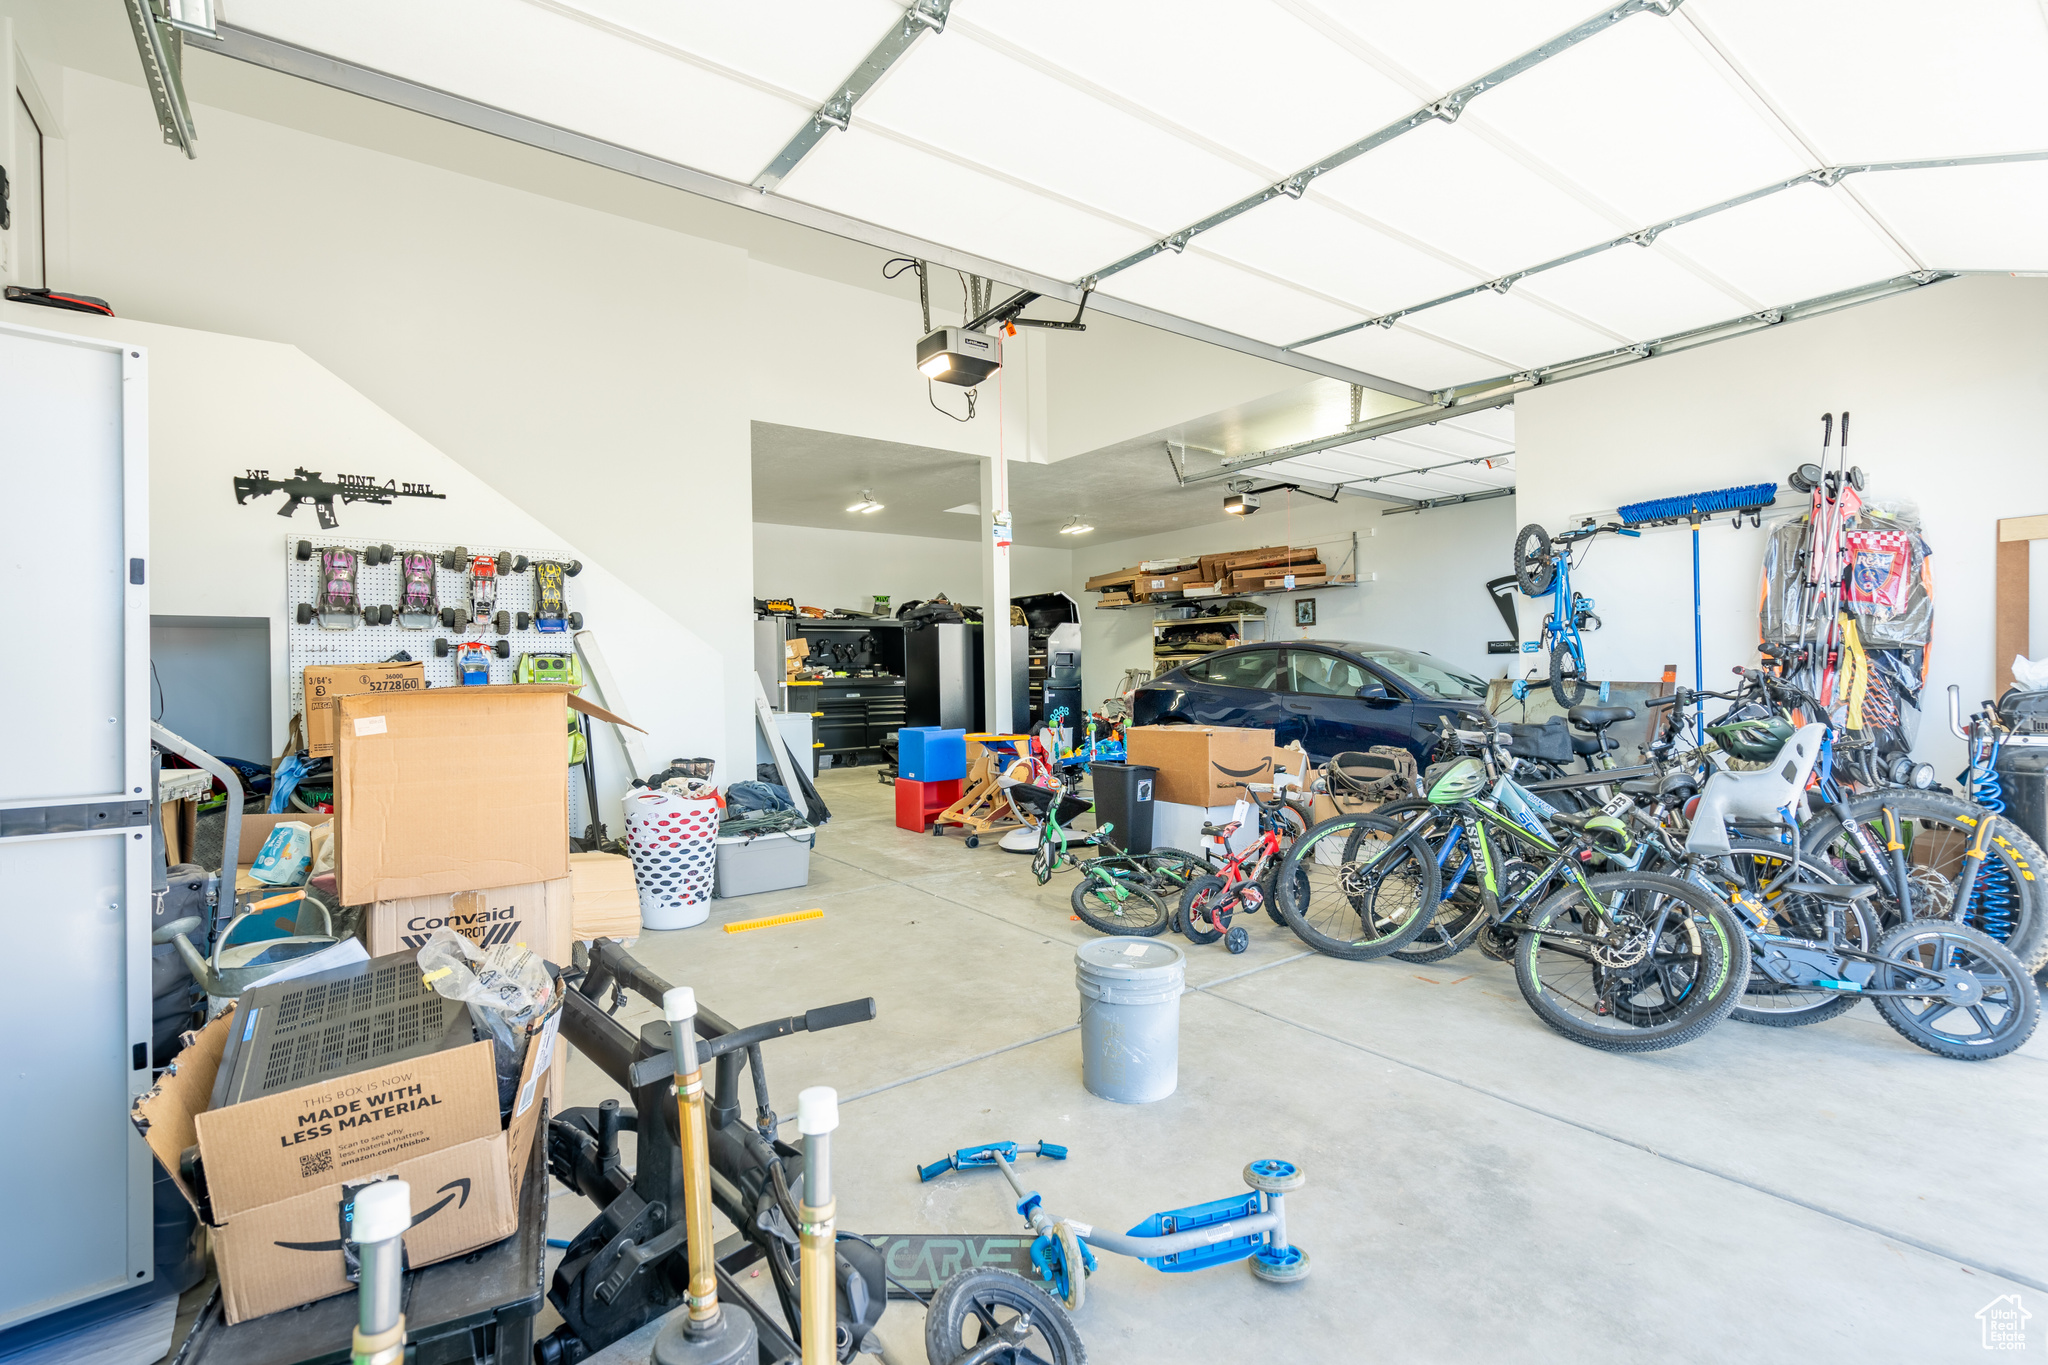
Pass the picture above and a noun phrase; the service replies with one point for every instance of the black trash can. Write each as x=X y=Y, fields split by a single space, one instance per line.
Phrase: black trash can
x=1123 y=799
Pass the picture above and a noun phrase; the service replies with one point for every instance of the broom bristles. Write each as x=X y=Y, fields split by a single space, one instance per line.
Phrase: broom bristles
x=1747 y=498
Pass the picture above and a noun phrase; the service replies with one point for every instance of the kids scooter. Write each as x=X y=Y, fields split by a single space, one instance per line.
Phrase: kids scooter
x=1249 y=1227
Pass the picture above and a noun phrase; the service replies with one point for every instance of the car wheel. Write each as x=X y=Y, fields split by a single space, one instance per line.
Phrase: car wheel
x=519 y=564
x=523 y=619
x=440 y=649
x=305 y=614
x=305 y=549
x=575 y=620
x=504 y=648
x=503 y=621
x=504 y=562
x=574 y=567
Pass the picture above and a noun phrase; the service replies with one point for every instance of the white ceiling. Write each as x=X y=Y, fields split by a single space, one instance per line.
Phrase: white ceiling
x=1059 y=137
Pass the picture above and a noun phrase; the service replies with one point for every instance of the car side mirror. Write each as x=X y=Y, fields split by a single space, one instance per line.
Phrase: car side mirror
x=1375 y=696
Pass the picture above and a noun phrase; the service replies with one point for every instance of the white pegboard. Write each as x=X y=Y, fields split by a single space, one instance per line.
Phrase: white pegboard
x=314 y=645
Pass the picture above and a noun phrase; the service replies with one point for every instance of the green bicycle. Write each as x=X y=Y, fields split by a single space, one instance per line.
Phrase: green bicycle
x=1128 y=894
x=1624 y=961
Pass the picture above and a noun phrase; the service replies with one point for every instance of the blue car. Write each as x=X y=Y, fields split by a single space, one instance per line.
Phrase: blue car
x=1332 y=695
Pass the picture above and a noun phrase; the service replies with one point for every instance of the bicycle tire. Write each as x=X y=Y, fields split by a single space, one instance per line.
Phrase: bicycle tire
x=1126 y=909
x=1201 y=896
x=1460 y=913
x=1344 y=890
x=1174 y=867
x=1765 y=1001
x=2024 y=863
x=972 y=1303
x=1567 y=676
x=2012 y=989
x=1534 y=568
x=1649 y=1010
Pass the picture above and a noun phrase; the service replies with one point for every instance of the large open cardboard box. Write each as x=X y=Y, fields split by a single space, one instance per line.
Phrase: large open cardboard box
x=452 y=789
x=282 y=1171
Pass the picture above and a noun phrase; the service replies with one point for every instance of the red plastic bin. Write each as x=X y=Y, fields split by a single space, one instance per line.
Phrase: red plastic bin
x=918 y=803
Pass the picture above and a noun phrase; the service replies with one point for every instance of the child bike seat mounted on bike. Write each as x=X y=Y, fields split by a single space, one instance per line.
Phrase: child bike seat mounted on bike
x=1769 y=796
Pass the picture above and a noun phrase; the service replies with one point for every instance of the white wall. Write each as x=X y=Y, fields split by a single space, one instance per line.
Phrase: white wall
x=211 y=557
x=579 y=363
x=832 y=568
x=1948 y=388
x=1430 y=593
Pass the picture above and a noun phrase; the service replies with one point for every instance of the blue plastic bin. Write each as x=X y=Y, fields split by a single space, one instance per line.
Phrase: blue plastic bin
x=928 y=753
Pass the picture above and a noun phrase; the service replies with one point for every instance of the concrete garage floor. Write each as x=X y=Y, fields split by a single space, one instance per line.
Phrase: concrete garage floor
x=1478 y=1187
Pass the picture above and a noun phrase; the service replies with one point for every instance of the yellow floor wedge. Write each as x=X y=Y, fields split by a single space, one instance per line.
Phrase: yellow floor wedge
x=740 y=926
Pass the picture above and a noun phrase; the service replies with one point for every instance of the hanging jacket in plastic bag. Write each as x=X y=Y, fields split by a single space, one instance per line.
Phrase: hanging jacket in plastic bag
x=1781 y=612
x=1891 y=582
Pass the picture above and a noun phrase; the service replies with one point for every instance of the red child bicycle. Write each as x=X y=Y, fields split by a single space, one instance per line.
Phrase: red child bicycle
x=1245 y=880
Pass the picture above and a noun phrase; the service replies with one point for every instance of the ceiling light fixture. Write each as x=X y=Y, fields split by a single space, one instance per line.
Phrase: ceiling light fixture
x=1075 y=527
x=867 y=503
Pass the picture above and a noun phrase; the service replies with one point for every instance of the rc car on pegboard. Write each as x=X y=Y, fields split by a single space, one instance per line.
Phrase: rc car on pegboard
x=565 y=670
x=337 y=602
x=551 y=615
x=417 y=607
x=473 y=658
x=484 y=573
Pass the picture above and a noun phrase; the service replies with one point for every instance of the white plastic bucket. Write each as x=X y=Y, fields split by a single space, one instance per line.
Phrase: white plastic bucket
x=1130 y=1017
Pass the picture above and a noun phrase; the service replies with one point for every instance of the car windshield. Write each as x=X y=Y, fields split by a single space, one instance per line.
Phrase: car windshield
x=1423 y=675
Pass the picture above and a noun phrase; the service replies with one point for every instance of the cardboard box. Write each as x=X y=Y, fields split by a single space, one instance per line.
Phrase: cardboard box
x=1171 y=582
x=604 y=899
x=328 y=683
x=1269 y=556
x=281 y=1170
x=452 y=789
x=537 y=914
x=1201 y=765
x=1114 y=599
x=1119 y=579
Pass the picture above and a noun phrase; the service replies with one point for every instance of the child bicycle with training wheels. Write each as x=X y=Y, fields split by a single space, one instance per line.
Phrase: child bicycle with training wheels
x=1129 y=894
x=1247 y=880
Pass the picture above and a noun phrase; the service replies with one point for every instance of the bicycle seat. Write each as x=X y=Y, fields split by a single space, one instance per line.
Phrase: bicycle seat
x=1587 y=744
x=1770 y=795
x=1600 y=717
x=1823 y=891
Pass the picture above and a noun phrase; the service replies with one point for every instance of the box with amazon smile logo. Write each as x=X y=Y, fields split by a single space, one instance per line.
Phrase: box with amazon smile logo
x=282 y=1169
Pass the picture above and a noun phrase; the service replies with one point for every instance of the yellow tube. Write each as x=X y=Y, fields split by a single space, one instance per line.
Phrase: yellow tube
x=680 y=1007
x=817 y=1285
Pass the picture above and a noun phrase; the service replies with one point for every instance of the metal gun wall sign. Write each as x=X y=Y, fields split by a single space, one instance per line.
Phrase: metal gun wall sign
x=306 y=486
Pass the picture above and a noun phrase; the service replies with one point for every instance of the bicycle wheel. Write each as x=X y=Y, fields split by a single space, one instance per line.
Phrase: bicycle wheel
x=1753 y=865
x=1650 y=962
x=1205 y=909
x=1353 y=887
x=975 y=1305
x=1269 y=891
x=2007 y=901
x=1112 y=905
x=1534 y=569
x=1460 y=907
x=1567 y=676
x=1983 y=1004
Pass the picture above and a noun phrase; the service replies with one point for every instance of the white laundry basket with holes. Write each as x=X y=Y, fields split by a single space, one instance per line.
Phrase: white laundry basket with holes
x=674 y=843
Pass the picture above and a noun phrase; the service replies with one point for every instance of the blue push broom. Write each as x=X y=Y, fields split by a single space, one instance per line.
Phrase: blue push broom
x=1749 y=500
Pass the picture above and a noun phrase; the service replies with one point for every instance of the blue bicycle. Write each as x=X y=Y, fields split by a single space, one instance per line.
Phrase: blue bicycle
x=1543 y=564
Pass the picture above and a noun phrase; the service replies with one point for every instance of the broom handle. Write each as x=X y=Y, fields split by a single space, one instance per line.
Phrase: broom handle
x=1699 y=658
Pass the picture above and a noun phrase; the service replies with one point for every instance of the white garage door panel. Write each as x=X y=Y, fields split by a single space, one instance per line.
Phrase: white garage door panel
x=1403 y=353
x=1194 y=285
x=872 y=177
x=1796 y=245
x=1967 y=217
x=1502 y=324
x=550 y=67
x=1245 y=74
x=1322 y=249
x=1637 y=292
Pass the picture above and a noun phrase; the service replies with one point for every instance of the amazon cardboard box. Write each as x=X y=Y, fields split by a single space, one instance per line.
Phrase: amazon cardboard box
x=1201 y=765
x=325 y=684
x=282 y=1171
x=452 y=789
